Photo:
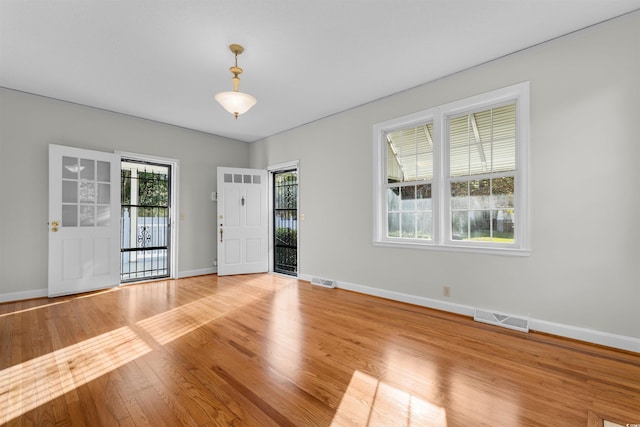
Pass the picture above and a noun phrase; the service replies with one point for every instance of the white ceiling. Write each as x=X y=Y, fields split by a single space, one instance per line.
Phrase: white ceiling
x=164 y=60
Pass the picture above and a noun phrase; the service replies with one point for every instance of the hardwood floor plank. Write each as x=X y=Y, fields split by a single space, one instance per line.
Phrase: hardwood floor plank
x=266 y=350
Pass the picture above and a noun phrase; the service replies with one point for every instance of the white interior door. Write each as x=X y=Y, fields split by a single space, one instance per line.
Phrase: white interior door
x=243 y=228
x=84 y=220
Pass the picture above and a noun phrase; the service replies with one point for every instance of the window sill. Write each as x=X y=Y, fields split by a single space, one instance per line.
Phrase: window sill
x=451 y=248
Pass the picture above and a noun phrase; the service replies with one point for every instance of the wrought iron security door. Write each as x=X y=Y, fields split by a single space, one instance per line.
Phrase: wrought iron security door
x=285 y=227
x=144 y=232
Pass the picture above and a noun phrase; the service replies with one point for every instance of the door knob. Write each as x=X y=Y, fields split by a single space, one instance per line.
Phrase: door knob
x=54 y=229
x=55 y=223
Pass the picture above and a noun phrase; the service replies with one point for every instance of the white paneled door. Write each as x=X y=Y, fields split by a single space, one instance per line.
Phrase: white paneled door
x=243 y=229
x=84 y=220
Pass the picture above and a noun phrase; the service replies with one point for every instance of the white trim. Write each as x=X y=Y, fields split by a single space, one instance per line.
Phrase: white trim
x=199 y=272
x=42 y=293
x=592 y=336
x=19 y=296
x=294 y=164
x=175 y=178
x=466 y=249
x=284 y=166
x=621 y=342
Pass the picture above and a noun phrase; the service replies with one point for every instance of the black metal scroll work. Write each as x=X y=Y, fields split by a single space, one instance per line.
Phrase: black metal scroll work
x=144 y=238
x=285 y=222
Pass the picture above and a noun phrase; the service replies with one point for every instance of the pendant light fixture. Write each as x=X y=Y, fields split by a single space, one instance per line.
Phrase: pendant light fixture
x=236 y=102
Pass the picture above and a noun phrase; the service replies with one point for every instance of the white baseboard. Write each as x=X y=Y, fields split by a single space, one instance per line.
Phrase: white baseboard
x=39 y=293
x=200 y=272
x=17 y=296
x=582 y=334
x=589 y=335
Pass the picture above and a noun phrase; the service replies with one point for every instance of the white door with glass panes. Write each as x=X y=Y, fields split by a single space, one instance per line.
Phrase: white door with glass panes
x=84 y=220
x=242 y=221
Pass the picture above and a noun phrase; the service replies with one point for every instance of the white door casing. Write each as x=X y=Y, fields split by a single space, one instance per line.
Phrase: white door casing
x=84 y=220
x=242 y=222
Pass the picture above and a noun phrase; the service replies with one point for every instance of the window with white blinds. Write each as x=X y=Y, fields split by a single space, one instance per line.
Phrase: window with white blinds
x=409 y=178
x=456 y=176
x=481 y=177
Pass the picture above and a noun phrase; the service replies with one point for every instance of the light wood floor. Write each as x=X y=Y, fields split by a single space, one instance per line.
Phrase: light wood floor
x=264 y=350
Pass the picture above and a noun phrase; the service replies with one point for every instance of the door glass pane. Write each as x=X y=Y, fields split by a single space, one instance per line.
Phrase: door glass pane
x=87 y=215
x=104 y=194
x=87 y=192
x=70 y=167
x=104 y=171
x=227 y=177
x=88 y=169
x=69 y=215
x=69 y=191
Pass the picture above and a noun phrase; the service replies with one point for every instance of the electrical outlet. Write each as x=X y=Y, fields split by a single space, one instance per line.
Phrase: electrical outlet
x=446 y=291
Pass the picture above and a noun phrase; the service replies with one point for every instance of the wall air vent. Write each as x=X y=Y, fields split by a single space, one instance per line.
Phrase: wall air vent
x=504 y=320
x=323 y=282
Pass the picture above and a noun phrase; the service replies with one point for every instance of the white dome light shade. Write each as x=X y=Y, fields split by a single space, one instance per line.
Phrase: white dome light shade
x=236 y=102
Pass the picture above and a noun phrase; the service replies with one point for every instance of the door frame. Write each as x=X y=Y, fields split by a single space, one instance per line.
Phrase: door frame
x=294 y=164
x=173 y=210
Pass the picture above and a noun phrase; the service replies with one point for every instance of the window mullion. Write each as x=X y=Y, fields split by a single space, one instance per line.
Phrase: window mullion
x=438 y=193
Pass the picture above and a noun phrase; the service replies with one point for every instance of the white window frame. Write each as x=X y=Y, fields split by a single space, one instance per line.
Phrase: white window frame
x=439 y=190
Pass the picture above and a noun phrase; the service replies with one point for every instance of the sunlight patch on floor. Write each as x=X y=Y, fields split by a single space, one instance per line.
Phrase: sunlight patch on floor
x=37 y=381
x=285 y=332
x=169 y=325
x=368 y=402
x=38 y=307
x=172 y=324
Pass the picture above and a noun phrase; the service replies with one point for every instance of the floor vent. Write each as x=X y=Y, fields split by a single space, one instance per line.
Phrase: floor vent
x=323 y=282
x=504 y=320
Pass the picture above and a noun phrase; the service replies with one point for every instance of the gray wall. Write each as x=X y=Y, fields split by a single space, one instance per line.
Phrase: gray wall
x=28 y=124
x=584 y=267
